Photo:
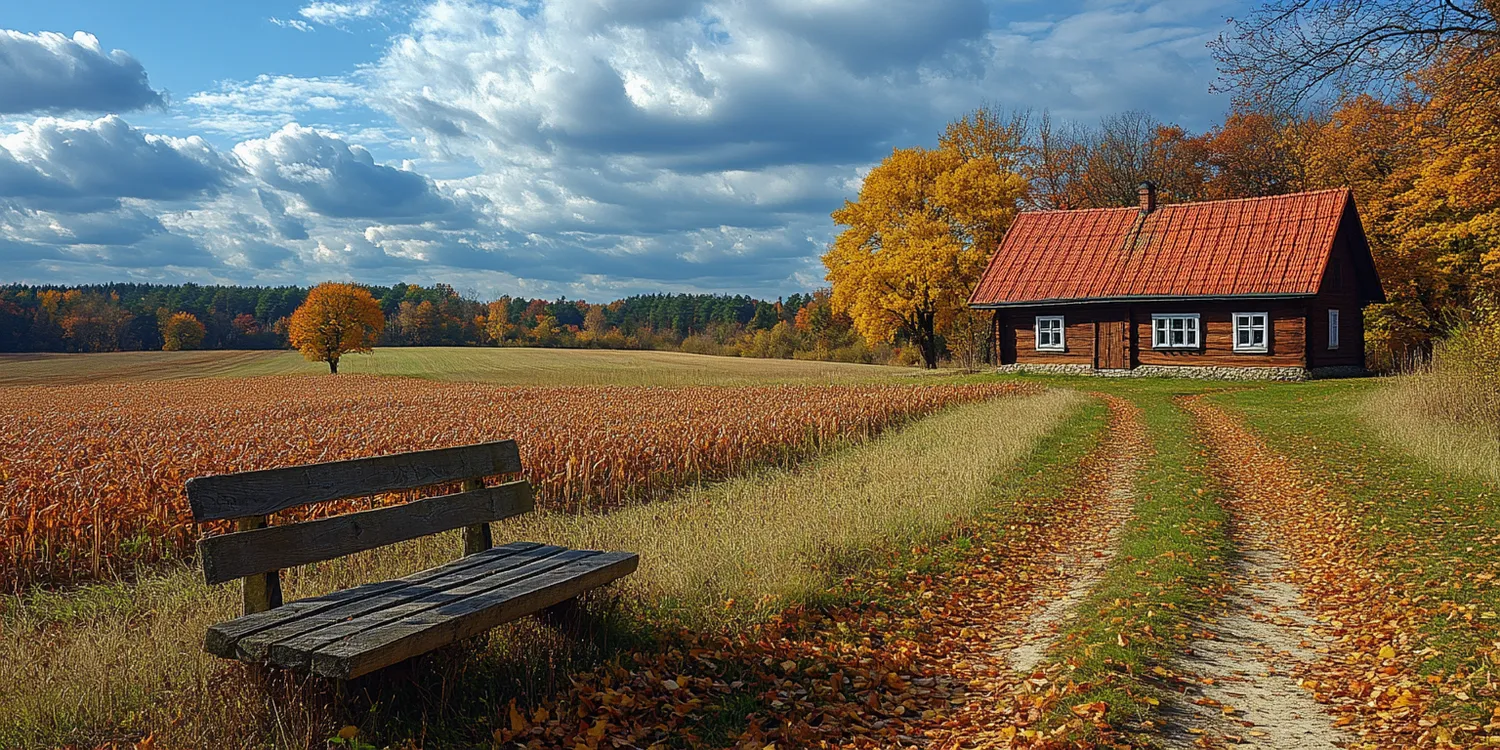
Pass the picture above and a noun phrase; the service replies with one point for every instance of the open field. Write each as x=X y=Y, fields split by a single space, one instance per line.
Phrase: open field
x=505 y=366
x=1216 y=559
x=94 y=473
x=746 y=548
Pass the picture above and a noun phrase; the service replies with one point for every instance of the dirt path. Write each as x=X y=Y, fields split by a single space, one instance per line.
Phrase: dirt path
x=1245 y=662
x=1076 y=567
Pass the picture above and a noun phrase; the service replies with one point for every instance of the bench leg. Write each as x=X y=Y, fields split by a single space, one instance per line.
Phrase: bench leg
x=477 y=538
x=261 y=591
x=570 y=617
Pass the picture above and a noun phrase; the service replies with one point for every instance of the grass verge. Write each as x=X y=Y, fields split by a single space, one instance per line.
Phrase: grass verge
x=115 y=662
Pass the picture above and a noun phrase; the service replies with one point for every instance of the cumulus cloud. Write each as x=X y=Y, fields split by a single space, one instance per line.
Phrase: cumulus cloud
x=338 y=179
x=288 y=226
x=86 y=165
x=669 y=140
x=52 y=73
x=598 y=147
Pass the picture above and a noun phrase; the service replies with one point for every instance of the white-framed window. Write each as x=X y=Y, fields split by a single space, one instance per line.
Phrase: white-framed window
x=1333 y=329
x=1049 y=333
x=1175 y=331
x=1251 y=332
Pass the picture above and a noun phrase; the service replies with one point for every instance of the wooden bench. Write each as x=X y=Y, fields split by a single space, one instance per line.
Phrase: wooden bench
x=356 y=631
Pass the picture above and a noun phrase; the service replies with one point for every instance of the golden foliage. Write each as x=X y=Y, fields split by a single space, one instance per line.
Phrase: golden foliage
x=917 y=240
x=182 y=331
x=334 y=320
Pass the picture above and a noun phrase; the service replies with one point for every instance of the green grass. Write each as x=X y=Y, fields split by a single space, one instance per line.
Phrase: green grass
x=506 y=366
x=1431 y=525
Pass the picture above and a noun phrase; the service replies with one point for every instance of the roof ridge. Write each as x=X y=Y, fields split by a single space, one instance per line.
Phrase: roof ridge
x=1280 y=196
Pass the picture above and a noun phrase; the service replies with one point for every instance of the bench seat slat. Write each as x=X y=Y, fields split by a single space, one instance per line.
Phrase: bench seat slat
x=229 y=556
x=263 y=492
x=297 y=650
x=417 y=634
x=222 y=637
x=258 y=647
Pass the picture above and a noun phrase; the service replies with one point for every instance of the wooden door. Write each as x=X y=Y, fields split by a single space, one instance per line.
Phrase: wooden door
x=1112 y=345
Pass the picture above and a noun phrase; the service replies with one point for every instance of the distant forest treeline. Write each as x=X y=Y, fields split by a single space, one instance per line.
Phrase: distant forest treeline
x=132 y=317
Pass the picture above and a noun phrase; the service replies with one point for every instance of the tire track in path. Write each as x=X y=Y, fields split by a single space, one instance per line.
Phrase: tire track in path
x=1078 y=563
x=1073 y=549
x=1292 y=625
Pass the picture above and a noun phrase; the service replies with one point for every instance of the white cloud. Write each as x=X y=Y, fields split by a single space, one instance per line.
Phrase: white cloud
x=291 y=23
x=603 y=147
x=52 y=73
x=333 y=13
x=256 y=107
x=334 y=178
x=709 y=139
x=91 y=164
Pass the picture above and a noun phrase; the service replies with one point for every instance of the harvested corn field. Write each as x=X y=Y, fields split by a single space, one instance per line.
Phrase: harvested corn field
x=93 y=475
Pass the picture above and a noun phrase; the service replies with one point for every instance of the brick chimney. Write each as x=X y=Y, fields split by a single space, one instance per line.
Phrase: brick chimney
x=1146 y=191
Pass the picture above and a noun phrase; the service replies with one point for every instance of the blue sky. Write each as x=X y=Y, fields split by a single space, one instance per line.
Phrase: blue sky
x=588 y=148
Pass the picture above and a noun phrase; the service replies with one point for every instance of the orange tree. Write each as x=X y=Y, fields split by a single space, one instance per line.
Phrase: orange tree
x=181 y=331
x=334 y=320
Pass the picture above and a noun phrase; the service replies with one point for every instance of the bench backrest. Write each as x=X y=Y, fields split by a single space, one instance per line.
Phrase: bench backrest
x=255 y=551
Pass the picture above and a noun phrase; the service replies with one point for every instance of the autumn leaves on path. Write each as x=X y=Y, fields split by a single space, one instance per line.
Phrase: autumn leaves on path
x=1360 y=647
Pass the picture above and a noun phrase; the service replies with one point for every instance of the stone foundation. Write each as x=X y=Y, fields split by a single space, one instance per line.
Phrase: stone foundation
x=1202 y=372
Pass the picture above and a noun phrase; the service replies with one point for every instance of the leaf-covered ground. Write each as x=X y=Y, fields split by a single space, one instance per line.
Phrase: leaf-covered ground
x=1397 y=560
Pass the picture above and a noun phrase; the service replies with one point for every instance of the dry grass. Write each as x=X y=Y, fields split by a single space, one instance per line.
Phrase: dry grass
x=505 y=366
x=116 y=661
x=1425 y=413
x=1448 y=411
x=776 y=536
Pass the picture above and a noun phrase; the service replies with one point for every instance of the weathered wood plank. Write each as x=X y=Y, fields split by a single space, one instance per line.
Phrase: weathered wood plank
x=260 y=646
x=230 y=556
x=259 y=493
x=222 y=637
x=260 y=592
x=417 y=634
x=296 y=650
x=477 y=537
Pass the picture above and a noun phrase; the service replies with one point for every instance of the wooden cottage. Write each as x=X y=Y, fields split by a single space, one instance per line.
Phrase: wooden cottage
x=1256 y=288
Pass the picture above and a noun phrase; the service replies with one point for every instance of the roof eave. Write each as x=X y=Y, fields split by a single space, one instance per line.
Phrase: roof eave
x=1063 y=301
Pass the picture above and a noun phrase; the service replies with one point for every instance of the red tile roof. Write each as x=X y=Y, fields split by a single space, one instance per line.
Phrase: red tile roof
x=1260 y=246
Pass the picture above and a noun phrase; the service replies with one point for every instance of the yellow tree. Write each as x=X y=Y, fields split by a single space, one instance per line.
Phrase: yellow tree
x=181 y=331
x=916 y=241
x=336 y=319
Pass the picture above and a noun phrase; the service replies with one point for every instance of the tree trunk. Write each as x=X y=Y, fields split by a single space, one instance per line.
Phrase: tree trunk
x=333 y=366
x=927 y=340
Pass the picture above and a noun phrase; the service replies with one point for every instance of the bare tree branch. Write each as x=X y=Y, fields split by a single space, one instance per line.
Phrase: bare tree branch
x=1287 y=52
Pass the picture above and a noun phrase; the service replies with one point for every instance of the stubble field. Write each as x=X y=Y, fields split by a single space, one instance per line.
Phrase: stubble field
x=93 y=474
